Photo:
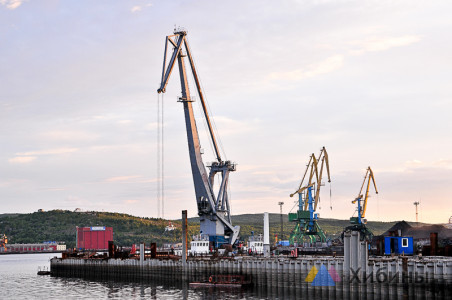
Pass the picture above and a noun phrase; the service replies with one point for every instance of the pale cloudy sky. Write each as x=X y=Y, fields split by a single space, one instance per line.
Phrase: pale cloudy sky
x=369 y=80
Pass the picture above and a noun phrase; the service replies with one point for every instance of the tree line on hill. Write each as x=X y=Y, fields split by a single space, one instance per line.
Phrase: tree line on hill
x=60 y=225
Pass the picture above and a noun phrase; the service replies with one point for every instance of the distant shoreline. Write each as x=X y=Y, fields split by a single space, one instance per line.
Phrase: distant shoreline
x=31 y=252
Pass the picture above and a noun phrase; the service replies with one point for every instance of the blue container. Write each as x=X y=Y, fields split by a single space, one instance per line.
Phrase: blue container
x=398 y=245
x=284 y=243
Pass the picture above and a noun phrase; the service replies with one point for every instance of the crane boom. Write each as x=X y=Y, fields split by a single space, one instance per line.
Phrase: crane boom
x=369 y=175
x=214 y=211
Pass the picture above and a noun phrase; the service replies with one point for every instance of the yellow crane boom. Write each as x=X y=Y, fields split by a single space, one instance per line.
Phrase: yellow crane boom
x=369 y=175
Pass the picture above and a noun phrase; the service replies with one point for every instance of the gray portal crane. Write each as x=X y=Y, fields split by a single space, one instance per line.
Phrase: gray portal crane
x=213 y=211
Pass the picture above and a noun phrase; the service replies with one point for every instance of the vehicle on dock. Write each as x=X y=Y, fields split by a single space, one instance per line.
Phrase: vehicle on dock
x=223 y=281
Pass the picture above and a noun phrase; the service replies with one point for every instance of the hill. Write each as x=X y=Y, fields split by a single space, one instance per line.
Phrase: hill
x=332 y=227
x=59 y=225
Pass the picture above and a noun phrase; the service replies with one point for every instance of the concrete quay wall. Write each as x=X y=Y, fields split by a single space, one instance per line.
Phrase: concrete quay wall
x=272 y=272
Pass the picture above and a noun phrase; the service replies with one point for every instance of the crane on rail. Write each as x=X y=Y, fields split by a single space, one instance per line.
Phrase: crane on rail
x=213 y=209
x=308 y=199
x=359 y=222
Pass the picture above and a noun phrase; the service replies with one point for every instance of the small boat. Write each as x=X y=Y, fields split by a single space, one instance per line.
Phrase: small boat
x=223 y=281
x=44 y=273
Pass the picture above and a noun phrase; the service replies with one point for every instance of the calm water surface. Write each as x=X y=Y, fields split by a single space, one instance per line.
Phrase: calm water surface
x=19 y=280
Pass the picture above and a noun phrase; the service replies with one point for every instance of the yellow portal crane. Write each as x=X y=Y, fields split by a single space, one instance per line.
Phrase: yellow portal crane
x=359 y=221
x=309 y=196
x=362 y=207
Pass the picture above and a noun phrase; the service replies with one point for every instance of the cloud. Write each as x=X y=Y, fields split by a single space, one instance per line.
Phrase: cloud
x=152 y=126
x=413 y=163
x=131 y=201
x=383 y=43
x=328 y=65
x=121 y=178
x=49 y=152
x=437 y=164
x=54 y=189
x=445 y=163
x=62 y=135
x=229 y=126
x=136 y=8
x=11 y=4
x=22 y=159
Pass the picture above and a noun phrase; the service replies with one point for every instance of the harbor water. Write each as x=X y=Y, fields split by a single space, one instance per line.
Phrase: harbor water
x=19 y=280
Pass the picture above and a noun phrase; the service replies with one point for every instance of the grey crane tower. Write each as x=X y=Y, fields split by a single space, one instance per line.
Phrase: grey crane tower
x=213 y=211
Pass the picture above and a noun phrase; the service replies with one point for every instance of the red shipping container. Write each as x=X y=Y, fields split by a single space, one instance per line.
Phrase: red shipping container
x=94 y=238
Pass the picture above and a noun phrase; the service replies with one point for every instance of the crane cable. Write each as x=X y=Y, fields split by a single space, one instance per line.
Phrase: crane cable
x=331 y=203
x=160 y=158
x=163 y=160
x=214 y=126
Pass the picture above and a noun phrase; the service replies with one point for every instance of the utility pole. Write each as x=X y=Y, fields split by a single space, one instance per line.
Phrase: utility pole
x=282 y=220
x=416 y=204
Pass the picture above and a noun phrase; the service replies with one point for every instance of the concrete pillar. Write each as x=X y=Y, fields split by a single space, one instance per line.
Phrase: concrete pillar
x=266 y=236
x=184 y=239
x=141 y=254
x=364 y=259
x=347 y=260
x=354 y=250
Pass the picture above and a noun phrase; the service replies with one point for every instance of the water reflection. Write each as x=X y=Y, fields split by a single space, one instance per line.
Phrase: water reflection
x=164 y=289
x=20 y=281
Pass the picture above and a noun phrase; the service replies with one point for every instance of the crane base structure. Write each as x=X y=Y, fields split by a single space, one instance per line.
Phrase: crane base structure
x=365 y=233
x=307 y=226
x=304 y=229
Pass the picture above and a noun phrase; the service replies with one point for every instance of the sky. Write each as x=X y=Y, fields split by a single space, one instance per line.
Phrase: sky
x=369 y=80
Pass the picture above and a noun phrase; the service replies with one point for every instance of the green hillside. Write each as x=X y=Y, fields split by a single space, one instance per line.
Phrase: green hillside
x=59 y=225
x=332 y=227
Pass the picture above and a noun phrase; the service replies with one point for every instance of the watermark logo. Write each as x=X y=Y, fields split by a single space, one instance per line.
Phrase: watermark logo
x=382 y=275
x=323 y=277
